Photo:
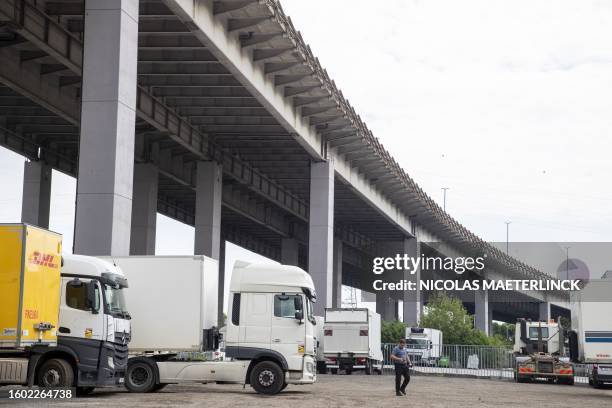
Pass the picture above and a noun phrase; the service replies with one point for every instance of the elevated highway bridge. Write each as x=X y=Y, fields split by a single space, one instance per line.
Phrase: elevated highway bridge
x=218 y=115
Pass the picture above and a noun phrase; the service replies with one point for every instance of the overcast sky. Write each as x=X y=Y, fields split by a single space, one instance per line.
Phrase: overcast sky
x=507 y=103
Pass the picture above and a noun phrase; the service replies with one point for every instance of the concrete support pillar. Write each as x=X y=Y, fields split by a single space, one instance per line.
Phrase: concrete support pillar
x=412 y=300
x=386 y=306
x=337 y=270
x=144 y=209
x=209 y=184
x=544 y=311
x=289 y=251
x=209 y=187
x=108 y=112
x=481 y=307
x=321 y=232
x=221 y=287
x=36 y=201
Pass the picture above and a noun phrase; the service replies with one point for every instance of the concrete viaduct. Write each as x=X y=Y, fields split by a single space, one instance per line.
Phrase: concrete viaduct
x=217 y=114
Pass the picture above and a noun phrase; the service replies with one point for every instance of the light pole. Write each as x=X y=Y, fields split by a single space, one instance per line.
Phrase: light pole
x=444 y=190
x=508 y=237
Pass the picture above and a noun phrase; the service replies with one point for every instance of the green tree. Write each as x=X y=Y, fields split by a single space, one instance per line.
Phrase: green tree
x=457 y=325
x=392 y=332
x=448 y=315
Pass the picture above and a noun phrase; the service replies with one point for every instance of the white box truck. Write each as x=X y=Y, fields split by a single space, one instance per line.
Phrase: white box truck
x=423 y=345
x=321 y=367
x=591 y=335
x=351 y=340
x=269 y=334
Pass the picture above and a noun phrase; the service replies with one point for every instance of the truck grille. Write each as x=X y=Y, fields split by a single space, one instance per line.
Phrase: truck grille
x=546 y=367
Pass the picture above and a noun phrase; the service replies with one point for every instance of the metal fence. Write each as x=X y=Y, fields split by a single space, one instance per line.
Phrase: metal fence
x=467 y=361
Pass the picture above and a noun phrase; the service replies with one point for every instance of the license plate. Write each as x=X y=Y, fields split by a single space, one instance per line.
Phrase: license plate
x=605 y=369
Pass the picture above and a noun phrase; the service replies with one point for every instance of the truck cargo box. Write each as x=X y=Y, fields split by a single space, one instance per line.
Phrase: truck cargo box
x=30 y=262
x=172 y=299
x=354 y=332
x=591 y=311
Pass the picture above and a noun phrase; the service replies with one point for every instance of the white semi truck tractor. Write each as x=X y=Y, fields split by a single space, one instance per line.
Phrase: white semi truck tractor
x=269 y=336
x=591 y=336
x=63 y=318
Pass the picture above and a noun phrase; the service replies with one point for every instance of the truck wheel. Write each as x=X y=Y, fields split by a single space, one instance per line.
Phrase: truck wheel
x=80 y=391
x=368 y=367
x=349 y=371
x=267 y=378
x=140 y=377
x=334 y=370
x=56 y=373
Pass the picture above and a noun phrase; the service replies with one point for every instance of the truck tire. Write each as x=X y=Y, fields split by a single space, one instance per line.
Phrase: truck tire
x=348 y=371
x=267 y=378
x=140 y=376
x=55 y=373
x=334 y=370
x=368 y=367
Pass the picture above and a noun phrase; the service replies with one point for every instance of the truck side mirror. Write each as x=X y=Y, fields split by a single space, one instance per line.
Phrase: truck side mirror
x=297 y=303
x=92 y=297
x=299 y=315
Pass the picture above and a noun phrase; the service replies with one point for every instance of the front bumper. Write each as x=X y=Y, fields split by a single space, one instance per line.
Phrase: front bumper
x=308 y=375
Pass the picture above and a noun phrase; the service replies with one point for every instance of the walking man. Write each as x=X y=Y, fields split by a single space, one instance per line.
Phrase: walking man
x=402 y=363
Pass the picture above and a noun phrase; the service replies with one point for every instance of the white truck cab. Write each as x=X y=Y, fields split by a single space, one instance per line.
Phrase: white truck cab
x=94 y=324
x=423 y=345
x=269 y=336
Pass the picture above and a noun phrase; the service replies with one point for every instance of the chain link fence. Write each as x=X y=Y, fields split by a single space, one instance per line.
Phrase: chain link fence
x=467 y=361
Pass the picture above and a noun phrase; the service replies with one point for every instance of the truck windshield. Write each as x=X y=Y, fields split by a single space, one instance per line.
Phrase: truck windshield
x=417 y=343
x=115 y=302
x=533 y=332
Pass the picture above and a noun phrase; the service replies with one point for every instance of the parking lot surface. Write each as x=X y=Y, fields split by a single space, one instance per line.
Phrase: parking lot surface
x=354 y=391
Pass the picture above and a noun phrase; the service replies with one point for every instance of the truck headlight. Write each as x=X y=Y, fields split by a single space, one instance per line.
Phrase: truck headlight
x=111 y=362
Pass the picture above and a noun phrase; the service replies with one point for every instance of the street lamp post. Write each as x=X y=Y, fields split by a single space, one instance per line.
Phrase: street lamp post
x=444 y=190
x=508 y=237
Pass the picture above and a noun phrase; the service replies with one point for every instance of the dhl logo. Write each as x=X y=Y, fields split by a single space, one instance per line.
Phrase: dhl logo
x=41 y=259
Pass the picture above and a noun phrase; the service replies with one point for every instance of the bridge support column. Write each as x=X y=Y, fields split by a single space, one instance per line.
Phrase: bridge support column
x=337 y=266
x=289 y=251
x=321 y=232
x=412 y=300
x=482 y=317
x=108 y=113
x=144 y=209
x=544 y=311
x=36 y=198
x=386 y=306
x=209 y=186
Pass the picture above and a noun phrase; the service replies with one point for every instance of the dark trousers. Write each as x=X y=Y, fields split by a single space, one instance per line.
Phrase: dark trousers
x=401 y=370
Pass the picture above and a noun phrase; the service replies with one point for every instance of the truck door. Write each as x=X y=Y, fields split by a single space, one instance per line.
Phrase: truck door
x=288 y=333
x=255 y=320
x=79 y=318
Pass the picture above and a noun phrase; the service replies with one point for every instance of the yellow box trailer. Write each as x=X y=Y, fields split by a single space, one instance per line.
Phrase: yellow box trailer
x=30 y=262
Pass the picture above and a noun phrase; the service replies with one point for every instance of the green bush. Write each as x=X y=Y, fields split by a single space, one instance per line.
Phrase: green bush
x=392 y=332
